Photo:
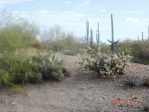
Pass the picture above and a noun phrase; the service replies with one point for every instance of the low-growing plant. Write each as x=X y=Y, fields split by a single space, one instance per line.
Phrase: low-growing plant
x=130 y=83
x=146 y=82
x=106 y=66
x=16 y=89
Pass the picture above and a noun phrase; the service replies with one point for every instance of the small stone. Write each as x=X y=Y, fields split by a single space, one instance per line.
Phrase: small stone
x=13 y=103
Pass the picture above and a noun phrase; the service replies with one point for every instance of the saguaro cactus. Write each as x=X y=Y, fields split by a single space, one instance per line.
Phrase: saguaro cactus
x=142 y=36
x=113 y=43
x=98 y=34
x=89 y=36
x=148 y=32
x=87 y=30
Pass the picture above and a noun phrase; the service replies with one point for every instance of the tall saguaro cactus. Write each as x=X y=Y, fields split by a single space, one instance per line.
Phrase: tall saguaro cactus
x=142 y=36
x=148 y=32
x=91 y=38
x=98 y=34
x=87 y=30
x=89 y=34
x=113 y=43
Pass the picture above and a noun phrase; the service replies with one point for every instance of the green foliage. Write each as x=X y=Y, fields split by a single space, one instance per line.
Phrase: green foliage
x=106 y=66
x=22 y=70
x=5 y=78
x=16 y=35
x=57 y=40
x=57 y=73
x=138 y=49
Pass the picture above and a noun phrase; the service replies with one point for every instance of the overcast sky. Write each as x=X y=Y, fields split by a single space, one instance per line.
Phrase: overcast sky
x=131 y=17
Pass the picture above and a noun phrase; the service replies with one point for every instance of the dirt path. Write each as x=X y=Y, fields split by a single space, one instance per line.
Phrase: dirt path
x=82 y=92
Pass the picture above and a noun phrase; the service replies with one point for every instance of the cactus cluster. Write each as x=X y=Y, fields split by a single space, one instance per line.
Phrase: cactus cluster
x=89 y=35
x=113 y=43
x=106 y=66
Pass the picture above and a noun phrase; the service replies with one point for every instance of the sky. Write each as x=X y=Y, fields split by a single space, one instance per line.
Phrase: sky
x=131 y=17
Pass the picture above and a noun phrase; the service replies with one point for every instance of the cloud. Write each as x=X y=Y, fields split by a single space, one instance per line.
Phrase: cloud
x=3 y=3
x=85 y=3
x=134 y=21
x=68 y=2
x=70 y=21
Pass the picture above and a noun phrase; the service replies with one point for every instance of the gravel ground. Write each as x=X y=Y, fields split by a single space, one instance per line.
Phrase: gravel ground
x=82 y=92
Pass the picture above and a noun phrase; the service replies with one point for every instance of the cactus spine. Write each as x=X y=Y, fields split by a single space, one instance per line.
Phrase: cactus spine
x=113 y=43
x=98 y=35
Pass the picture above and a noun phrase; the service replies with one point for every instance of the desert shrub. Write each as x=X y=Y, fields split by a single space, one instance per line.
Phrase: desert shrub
x=16 y=32
x=18 y=70
x=39 y=45
x=146 y=82
x=106 y=66
x=138 y=49
x=125 y=47
x=16 y=35
x=22 y=70
x=5 y=78
x=105 y=48
x=58 y=40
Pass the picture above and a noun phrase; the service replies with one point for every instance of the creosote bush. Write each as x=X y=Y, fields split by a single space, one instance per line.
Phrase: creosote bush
x=106 y=66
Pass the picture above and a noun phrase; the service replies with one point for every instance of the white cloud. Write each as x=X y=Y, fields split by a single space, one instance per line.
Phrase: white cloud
x=68 y=2
x=85 y=3
x=133 y=21
x=71 y=21
x=3 y=3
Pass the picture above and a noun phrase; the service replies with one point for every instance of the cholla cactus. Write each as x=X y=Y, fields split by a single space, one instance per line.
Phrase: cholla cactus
x=106 y=66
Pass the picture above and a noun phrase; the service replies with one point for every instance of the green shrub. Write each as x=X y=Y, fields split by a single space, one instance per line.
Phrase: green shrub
x=21 y=70
x=138 y=49
x=106 y=66
x=14 y=35
x=5 y=78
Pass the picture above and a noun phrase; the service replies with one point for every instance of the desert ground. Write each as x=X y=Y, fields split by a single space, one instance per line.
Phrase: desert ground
x=83 y=91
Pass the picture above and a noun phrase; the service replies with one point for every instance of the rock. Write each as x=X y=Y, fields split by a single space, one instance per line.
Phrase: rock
x=13 y=103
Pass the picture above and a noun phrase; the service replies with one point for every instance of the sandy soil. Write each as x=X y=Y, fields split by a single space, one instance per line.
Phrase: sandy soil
x=82 y=92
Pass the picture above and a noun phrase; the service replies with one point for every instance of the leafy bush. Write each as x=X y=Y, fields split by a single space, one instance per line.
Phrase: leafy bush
x=33 y=69
x=138 y=49
x=106 y=66
x=5 y=78
x=57 y=40
x=22 y=70
x=16 y=35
